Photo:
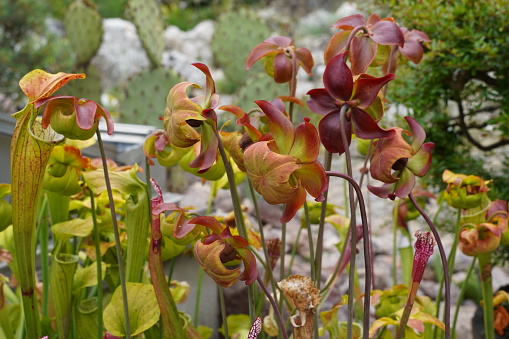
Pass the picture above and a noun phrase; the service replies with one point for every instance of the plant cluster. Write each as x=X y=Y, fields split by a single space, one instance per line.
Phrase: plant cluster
x=106 y=228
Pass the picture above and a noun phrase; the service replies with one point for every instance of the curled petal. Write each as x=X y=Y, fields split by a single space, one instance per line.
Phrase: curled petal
x=478 y=239
x=210 y=102
x=419 y=135
x=412 y=51
x=209 y=258
x=305 y=59
x=270 y=172
x=282 y=68
x=209 y=222
x=293 y=205
x=250 y=273
x=321 y=102
x=338 y=79
x=400 y=188
x=280 y=41
x=208 y=150
x=330 y=132
x=178 y=99
x=38 y=84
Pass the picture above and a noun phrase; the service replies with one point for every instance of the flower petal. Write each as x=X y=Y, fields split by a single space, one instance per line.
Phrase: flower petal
x=365 y=127
x=210 y=86
x=259 y=51
x=412 y=51
x=330 y=133
x=39 y=84
x=336 y=45
x=208 y=150
x=362 y=53
x=280 y=41
x=385 y=32
x=365 y=89
x=306 y=145
x=250 y=273
x=350 y=22
x=209 y=258
x=312 y=177
x=209 y=222
x=293 y=205
x=419 y=135
x=281 y=127
x=321 y=102
x=305 y=59
x=338 y=79
x=282 y=68
x=421 y=161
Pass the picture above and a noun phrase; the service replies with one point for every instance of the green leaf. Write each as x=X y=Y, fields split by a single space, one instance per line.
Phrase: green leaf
x=143 y=310
x=72 y=228
x=86 y=317
x=87 y=276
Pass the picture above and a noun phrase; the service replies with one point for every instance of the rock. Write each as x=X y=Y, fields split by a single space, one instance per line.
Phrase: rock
x=121 y=54
x=182 y=65
x=197 y=196
x=195 y=43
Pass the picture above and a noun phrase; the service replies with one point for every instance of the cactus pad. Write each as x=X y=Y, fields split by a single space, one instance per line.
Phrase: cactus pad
x=235 y=36
x=83 y=26
x=146 y=16
x=259 y=87
x=89 y=88
x=145 y=97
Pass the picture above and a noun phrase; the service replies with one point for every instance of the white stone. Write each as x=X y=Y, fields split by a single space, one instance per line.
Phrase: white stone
x=121 y=54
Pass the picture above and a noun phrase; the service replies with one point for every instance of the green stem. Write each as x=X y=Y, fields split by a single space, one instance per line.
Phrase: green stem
x=98 y=261
x=117 y=236
x=223 y=312
x=294 y=251
x=487 y=294
x=408 y=308
x=277 y=312
x=394 y=244
x=42 y=231
x=310 y=240
x=461 y=295
x=321 y=227
x=445 y=266
x=198 y=297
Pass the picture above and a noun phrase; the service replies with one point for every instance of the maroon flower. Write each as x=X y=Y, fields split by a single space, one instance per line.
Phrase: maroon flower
x=360 y=95
x=423 y=250
x=412 y=50
x=364 y=45
x=280 y=50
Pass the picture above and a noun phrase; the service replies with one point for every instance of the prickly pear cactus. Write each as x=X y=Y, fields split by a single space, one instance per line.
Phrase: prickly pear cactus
x=235 y=35
x=88 y=88
x=83 y=26
x=146 y=16
x=259 y=87
x=145 y=97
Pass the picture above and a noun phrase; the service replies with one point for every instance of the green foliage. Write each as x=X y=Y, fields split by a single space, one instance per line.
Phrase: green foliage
x=259 y=87
x=145 y=96
x=83 y=25
x=146 y=16
x=235 y=35
x=90 y=87
x=461 y=88
x=187 y=18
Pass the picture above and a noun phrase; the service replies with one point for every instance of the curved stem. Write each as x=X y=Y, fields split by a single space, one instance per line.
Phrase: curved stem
x=293 y=81
x=443 y=257
x=487 y=294
x=276 y=308
x=223 y=312
x=310 y=240
x=117 y=236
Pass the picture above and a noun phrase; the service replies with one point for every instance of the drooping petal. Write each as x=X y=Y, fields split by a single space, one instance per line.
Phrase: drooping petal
x=365 y=89
x=293 y=205
x=178 y=99
x=412 y=51
x=321 y=102
x=243 y=120
x=385 y=32
x=259 y=51
x=208 y=149
x=38 y=84
x=210 y=86
x=250 y=273
x=209 y=222
x=385 y=191
x=405 y=184
x=61 y=102
x=312 y=177
x=338 y=79
x=270 y=172
x=362 y=53
x=330 y=133
x=282 y=68
x=336 y=45
x=281 y=127
x=306 y=145
x=421 y=161
x=85 y=113
x=305 y=59
x=350 y=22
x=365 y=127
x=280 y=41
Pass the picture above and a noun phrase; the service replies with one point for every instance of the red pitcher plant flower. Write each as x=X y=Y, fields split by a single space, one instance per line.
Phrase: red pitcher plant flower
x=282 y=166
x=361 y=96
x=72 y=117
x=276 y=53
x=221 y=247
x=364 y=45
x=412 y=50
x=475 y=239
x=396 y=162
